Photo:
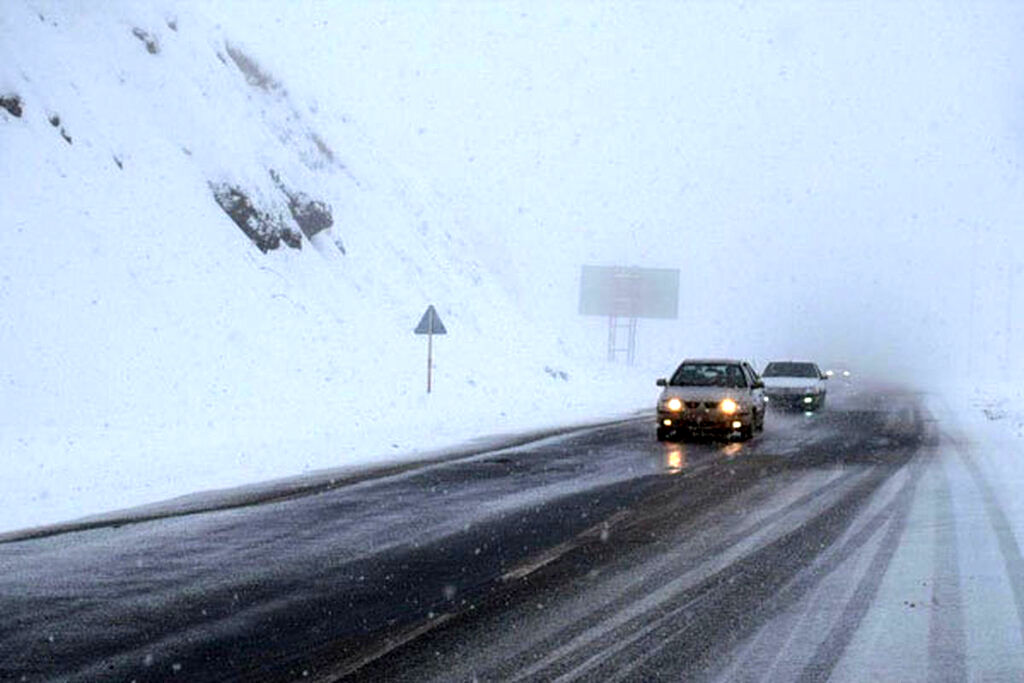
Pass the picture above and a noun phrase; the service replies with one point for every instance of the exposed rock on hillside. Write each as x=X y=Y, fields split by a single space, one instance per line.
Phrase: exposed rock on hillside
x=266 y=230
x=152 y=46
x=311 y=215
x=12 y=103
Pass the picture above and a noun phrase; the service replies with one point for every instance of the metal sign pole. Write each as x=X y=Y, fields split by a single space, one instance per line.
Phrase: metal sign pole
x=430 y=324
x=430 y=353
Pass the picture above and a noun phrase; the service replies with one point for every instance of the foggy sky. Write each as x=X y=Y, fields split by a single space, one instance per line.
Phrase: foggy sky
x=835 y=180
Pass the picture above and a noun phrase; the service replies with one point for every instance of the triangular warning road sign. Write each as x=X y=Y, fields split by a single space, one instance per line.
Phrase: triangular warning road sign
x=430 y=323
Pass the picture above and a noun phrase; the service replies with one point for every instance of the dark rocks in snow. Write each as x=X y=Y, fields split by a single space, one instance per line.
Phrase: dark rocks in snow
x=12 y=103
x=172 y=23
x=54 y=120
x=152 y=46
x=266 y=231
x=291 y=238
x=117 y=160
x=311 y=215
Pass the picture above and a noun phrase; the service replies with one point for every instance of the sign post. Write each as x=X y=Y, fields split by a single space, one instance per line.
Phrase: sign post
x=430 y=324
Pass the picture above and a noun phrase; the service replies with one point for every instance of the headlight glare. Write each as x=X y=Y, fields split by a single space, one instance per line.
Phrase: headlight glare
x=728 y=406
x=674 y=404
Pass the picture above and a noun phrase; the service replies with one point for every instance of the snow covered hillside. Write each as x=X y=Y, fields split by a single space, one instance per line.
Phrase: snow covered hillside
x=206 y=280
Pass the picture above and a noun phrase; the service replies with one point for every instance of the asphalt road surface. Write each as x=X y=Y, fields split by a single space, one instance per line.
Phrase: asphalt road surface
x=596 y=555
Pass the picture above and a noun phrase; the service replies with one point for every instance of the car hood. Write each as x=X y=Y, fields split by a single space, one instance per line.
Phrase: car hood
x=702 y=393
x=790 y=382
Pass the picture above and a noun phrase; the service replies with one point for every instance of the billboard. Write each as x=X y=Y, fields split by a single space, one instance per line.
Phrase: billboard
x=628 y=292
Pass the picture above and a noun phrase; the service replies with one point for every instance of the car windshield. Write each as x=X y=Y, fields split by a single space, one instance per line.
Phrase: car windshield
x=791 y=370
x=709 y=375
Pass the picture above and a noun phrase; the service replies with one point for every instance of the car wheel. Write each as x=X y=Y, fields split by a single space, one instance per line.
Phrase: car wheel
x=759 y=425
x=664 y=434
x=747 y=430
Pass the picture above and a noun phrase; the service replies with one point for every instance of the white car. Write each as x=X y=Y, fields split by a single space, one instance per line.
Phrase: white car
x=705 y=397
x=796 y=385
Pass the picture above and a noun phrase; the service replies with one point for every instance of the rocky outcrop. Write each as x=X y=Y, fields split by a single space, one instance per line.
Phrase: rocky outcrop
x=148 y=39
x=266 y=230
x=311 y=215
x=12 y=103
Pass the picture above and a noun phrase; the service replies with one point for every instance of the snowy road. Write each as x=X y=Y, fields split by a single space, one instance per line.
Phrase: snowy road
x=866 y=541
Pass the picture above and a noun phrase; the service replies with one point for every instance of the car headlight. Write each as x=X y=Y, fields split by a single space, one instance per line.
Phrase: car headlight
x=728 y=406
x=674 y=404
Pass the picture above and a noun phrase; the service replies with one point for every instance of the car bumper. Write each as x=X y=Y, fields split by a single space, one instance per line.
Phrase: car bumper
x=706 y=423
x=801 y=401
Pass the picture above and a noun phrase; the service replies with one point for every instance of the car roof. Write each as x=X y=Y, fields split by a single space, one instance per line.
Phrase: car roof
x=715 y=361
x=798 y=362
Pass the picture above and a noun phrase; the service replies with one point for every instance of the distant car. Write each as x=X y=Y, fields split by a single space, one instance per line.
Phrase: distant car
x=797 y=385
x=711 y=397
x=840 y=370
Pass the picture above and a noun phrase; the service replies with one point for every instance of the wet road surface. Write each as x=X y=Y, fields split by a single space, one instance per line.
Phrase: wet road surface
x=600 y=555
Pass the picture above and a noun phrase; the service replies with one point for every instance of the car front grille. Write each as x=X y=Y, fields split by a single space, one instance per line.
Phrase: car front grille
x=709 y=405
x=789 y=391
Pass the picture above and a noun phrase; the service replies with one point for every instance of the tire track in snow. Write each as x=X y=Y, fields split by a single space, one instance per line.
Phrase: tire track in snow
x=830 y=650
x=684 y=626
x=1009 y=548
x=947 y=644
x=616 y=624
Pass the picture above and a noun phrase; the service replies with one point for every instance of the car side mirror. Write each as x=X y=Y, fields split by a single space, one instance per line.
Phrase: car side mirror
x=759 y=384
x=662 y=382
x=824 y=376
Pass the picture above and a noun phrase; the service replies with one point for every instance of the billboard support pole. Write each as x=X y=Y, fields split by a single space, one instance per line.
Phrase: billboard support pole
x=611 y=338
x=631 y=353
x=624 y=295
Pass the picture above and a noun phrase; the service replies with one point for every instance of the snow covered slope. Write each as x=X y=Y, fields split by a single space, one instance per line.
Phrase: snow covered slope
x=176 y=313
